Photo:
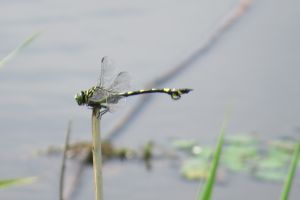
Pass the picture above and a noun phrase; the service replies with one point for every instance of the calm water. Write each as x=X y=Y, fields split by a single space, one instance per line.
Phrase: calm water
x=254 y=66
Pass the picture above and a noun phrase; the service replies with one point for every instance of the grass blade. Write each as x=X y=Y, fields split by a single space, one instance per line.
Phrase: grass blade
x=12 y=182
x=12 y=54
x=288 y=183
x=207 y=193
x=63 y=165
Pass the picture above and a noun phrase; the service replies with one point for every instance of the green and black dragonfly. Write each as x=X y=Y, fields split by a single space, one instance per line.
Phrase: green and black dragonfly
x=112 y=95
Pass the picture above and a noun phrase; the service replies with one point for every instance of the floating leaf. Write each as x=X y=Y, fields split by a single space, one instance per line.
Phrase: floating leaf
x=242 y=152
x=235 y=164
x=195 y=168
x=236 y=157
x=287 y=146
x=270 y=162
x=202 y=151
x=279 y=154
x=241 y=140
x=271 y=175
x=184 y=144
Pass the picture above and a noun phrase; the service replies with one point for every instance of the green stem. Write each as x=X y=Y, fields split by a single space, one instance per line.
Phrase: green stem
x=288 y=183
x=209 y=185
x=97 y=157
x=63 y=165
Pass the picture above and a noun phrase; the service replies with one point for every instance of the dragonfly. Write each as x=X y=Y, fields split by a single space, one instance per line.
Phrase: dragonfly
x=110 y=94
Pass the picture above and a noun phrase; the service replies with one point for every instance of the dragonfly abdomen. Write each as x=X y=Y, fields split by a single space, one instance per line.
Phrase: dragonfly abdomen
x=87 y=94
x=175 y=93
x=165 y=90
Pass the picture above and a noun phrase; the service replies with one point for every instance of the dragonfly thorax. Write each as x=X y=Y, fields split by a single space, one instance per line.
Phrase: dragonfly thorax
x=92 y=97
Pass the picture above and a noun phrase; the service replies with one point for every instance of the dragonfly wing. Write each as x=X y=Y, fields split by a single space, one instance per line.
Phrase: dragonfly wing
x=107 y=73
x=98 y=95
x=115 y=103
x=122 y=83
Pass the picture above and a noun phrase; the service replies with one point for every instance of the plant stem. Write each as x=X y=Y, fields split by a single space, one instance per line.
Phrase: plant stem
x=288 y=182
x=209 y=185
x=63 y=165
x=97 y=157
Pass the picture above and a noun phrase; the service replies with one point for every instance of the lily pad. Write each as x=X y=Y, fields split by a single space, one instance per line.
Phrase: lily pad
x=202 y=151
x=236 y=158
x=241 y=140
x=271 y=162
x=271 y=175
x=195 y=168
x=285 y=145
x=184 y=144
x=234 y=164
x=279 y=154
x=242 y=152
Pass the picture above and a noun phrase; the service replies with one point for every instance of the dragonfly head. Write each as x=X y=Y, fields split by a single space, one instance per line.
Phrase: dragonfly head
x=80 y=98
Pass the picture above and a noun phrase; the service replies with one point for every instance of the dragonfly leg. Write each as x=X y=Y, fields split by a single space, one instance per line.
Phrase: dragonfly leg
x=103 y=112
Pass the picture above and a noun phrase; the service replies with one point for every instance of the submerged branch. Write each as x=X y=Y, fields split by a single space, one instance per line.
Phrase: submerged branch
x=226 y=22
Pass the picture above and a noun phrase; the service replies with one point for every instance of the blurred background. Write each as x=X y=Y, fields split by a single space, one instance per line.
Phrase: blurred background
x=252 y=66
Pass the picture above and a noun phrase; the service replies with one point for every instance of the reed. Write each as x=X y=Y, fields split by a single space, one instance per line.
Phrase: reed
x=209 y=185
x=288 y=183
x=97 y=156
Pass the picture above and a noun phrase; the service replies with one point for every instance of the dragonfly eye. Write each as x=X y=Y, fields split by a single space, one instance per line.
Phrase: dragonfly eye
x=80 y=98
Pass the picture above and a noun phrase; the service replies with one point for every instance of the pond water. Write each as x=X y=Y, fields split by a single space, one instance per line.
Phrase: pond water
x=253 y=66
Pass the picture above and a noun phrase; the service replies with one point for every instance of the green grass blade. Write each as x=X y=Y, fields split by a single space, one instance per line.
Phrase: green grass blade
x=12 y=54
x=288 y=183
x=12 y=182
x=207 y=193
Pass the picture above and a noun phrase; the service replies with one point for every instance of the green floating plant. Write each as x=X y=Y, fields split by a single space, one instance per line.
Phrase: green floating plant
x=270 y=163
x=236 y=158
x=195 y=168
x=285 y=145
x=271 y=175
x=241 y=140
x=202 y=151
x=184 y=144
